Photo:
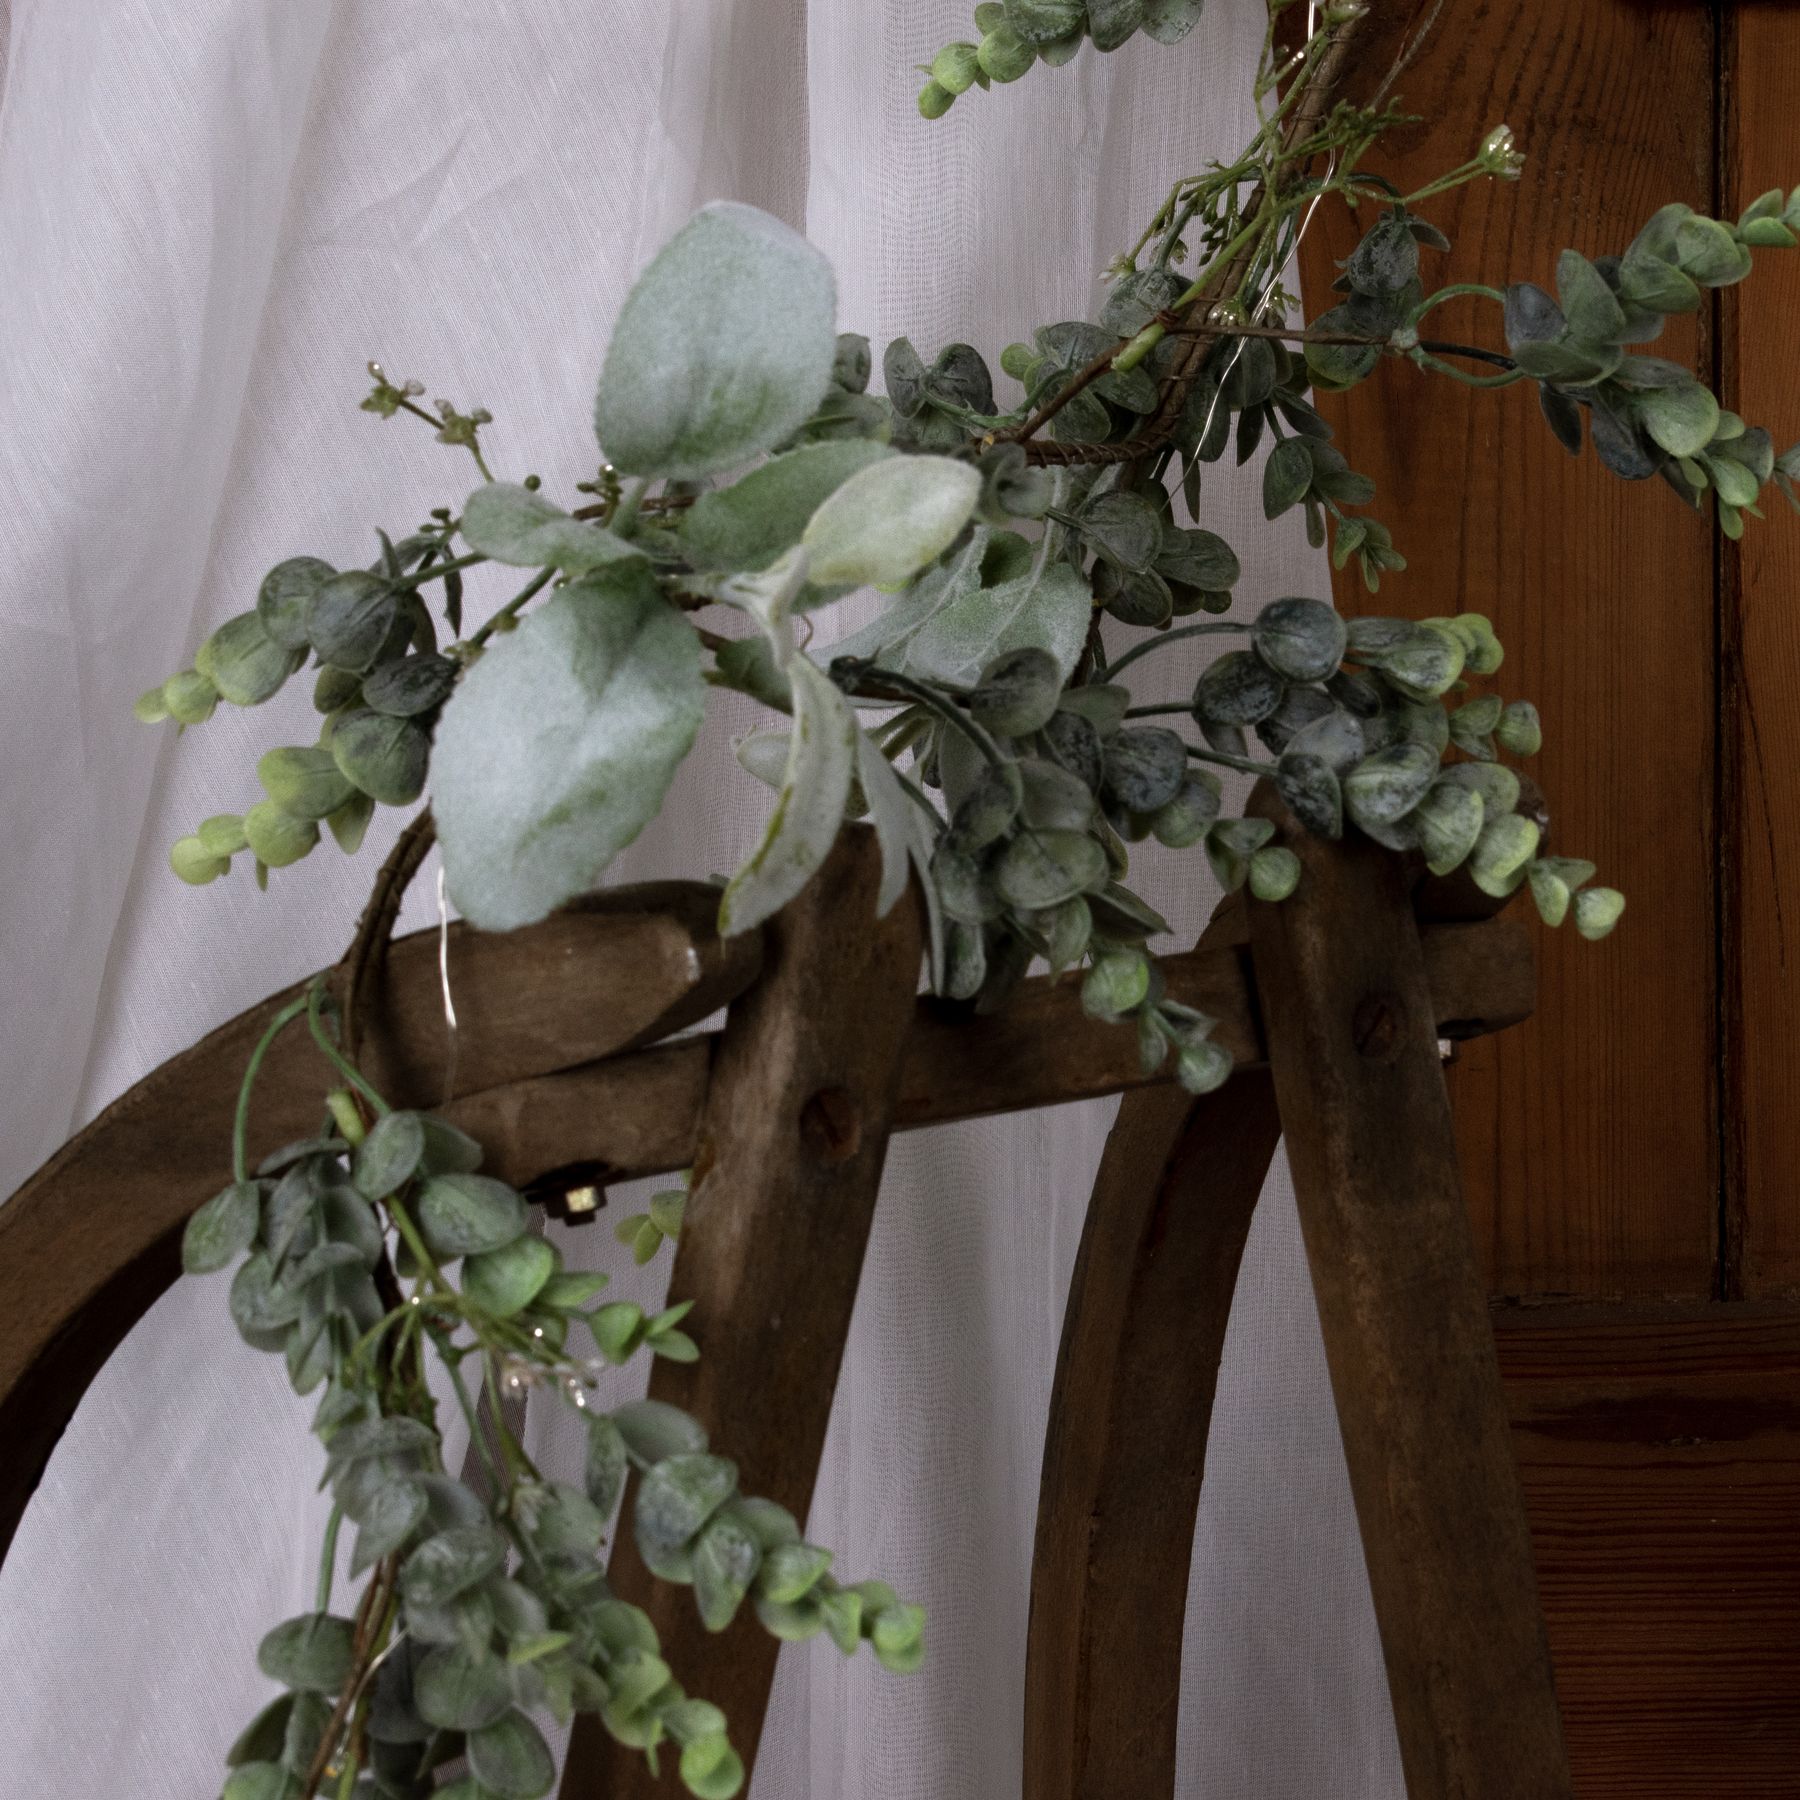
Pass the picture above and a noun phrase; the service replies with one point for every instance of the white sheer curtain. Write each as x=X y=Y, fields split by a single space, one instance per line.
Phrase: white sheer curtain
x=211 y=213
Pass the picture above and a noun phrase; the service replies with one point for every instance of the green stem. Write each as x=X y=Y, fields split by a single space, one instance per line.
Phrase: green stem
x=241 y=1124
x=1162 y=707
x=1505 y=378
x=1455 y=291
x=333 y=1055
x=437 y=569
x=510 y=610
x=623 y=518
x=1209 y=628
x=328 y=1559
x=1241 y=763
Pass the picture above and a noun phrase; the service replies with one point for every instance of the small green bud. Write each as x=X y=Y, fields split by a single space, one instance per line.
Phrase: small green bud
x=194 y=863
x=150 y=707
x=346 y=1115
x=1005 y=56
x=935 y=100
x=1274 y=873
x=1597 y=911
x=1203 y=1066
x=190 y=697
x=277 y=837
x=954 y=68
x=1519 y=730
x=1115 y=984
x=222 y=834
x=1497 y=155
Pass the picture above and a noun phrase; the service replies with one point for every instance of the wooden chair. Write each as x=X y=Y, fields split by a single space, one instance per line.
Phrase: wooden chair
x=1333 y=1004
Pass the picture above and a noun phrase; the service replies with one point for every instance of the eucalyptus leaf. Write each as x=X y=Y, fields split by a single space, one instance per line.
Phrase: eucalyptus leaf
x=557 y=747
x=725 y=346
x=244 y=662
x=1300 y=639
x=464 y=1215
x=510 y=1758
x=450 y=1563
x=222 y=1229
x=390 y=1155
x=458 y=1692
x=311 y=1654
x=351 y=619
x=507 y=1280
x=1045 y=868
x=1238 y=688
x=384 y=756
x=282 y=599
x=677 y=1496
x=396 y=1512
x=656 y=1431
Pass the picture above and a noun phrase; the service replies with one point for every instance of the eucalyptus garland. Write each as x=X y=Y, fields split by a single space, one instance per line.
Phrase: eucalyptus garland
x=981 y=722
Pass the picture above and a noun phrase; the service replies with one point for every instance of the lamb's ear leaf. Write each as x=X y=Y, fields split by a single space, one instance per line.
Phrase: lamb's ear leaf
x=810 y=809
x=724 y=348
x=558 y=745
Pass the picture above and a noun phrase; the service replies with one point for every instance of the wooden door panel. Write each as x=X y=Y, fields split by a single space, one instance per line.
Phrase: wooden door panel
x=1589 y=1135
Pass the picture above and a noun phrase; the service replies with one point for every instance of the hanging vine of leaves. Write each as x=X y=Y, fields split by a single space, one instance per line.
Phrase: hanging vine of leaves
x=980 y=721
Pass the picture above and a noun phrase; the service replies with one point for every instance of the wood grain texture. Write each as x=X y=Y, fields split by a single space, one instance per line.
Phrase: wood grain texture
x=1354 y=1057
x=1760 y=650
x=1659 y=1451
x=1588 y=1138
x=791 y=1145
x=91 y=1240
x=1125 y=1451
x=639 y=1114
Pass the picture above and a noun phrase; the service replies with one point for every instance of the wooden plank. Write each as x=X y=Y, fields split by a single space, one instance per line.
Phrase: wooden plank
x=1125 y=1451
x=638 y=1114
x=90 y=1241
x=791 y=1145
x=1588 y=1137
x=1760 y=655
x=1659 y=1451
x=1403 y=1312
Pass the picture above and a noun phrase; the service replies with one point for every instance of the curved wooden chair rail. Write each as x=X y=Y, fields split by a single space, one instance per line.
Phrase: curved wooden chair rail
x=565 y=1070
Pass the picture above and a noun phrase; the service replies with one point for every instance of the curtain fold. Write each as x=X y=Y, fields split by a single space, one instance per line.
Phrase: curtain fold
x=212 y=215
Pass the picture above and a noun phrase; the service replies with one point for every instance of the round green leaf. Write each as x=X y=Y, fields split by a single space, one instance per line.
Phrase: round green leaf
x=506 y=1280
x=1144 y=767
x=451 y=1563
x=678 y=1495
x=282 y=600
x=351 y=618
x=1300 y=639
x=1681 y=419
x=312 y=1653
x=724 y=347
x=519 y=526
x=1238 y=689
x=1597 y=911
x=454 y=1692
x=194 y=863
x=276 y=836
x=406 y=686
x=243 y=662
x=387 y=1158
x=222 y=1229
x=1045 y=868
x=464 y=1215
x=385 y=758
x=305 y=783
x=510 y=1758
x=1274 y=873
x=1386 y=786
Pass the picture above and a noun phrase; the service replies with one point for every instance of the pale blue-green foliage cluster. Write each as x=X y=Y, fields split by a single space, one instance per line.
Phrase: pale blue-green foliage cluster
x=983 y=677
x=486 y=1606
x=1016 y=34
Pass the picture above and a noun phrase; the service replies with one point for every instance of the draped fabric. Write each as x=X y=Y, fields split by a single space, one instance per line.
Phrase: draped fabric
x=212 y=212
